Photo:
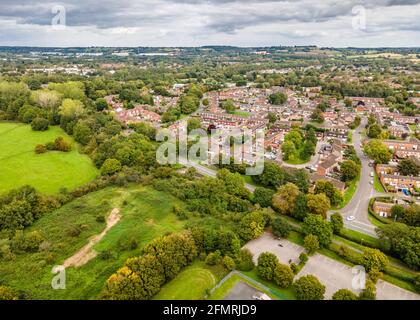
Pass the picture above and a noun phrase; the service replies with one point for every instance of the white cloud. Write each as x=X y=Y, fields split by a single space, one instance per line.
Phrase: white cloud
x=195 y=22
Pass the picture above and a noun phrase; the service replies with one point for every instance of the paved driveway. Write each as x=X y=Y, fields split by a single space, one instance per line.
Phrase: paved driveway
x=333 y=274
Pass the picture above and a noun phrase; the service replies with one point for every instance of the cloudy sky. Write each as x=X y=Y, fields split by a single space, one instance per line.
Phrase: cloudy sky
x=340 y=23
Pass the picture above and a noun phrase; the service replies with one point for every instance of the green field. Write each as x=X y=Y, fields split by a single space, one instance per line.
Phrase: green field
x=146 y=214
x=191 y=284
x=48 y=172
x=377 y=184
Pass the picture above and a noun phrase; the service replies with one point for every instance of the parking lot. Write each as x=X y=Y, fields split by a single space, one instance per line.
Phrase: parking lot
x=283 y=249
x=333 y=274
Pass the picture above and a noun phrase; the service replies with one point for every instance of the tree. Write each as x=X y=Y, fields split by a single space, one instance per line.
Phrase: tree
x=378 y=151
x=280 y=227
x=228 y=105
x=289 y=150
x=318 y=204
x=82 y=132
x=111 y=166
x=301 y=209
x=409 y=167
x=397 y=211
x=267 y=263
x=40 y=124
x=193 y=123
x=285 y=198
x=344 y=294
x=327 y=188
x=317 y=116
x=316 y=225
x=374 y=259
x=374 y=131
x=283 y=275
x=349 y=170
x=263 y=196
x=277 y=98
x=294 y=136
x=244 y=260
x=272 y=117
x=252 y=225
x=411 y=215
x=337 y=222
x=273 y=176
x=309 y=288
x=402 y=241
x=311 y=243
x=71 y=108
x=101 y=104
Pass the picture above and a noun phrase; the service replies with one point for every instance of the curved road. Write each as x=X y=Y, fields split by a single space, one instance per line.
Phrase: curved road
x=358 y=206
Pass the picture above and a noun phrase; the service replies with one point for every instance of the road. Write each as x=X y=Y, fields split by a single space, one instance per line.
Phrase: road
x=206 y=171
x=359 y=204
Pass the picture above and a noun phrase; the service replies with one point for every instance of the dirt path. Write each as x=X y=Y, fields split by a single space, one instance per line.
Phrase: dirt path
x=85 y=254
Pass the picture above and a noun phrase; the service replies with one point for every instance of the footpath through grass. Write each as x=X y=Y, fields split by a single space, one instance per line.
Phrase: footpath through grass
x=48 y=172
x=146 y=214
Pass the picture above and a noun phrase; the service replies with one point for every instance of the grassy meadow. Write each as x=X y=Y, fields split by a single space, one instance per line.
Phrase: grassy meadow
x=48 y=172
x=145 y=215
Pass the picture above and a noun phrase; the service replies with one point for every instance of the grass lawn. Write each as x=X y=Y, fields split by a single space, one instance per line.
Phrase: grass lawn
x=46 y=172
x=348 y=194
x=296 y=160
x=146 y=214
x=377 y=184
x=241 y=113
x=350 y=137
x=192 y=283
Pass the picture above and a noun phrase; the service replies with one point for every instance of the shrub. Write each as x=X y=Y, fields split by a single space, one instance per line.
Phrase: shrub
x=74 y=231
x=28 y=242
x=229 y=263
x=344 y=294
x=7 y=293
x=40 y=124
x=244 y=260
x=303 y=257
x=105 y=254
x=369 y=292
x=336 y=222
x=111 y=166
x=213 y=258
x=100 y=218
x=40 y=148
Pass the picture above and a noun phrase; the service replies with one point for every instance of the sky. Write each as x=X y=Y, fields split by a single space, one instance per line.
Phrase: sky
x=178 y=23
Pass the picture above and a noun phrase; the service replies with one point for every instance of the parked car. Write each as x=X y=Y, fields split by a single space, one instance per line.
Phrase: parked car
x=351 y=218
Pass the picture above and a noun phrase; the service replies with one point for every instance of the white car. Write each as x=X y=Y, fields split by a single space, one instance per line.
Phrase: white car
x=350 y=218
